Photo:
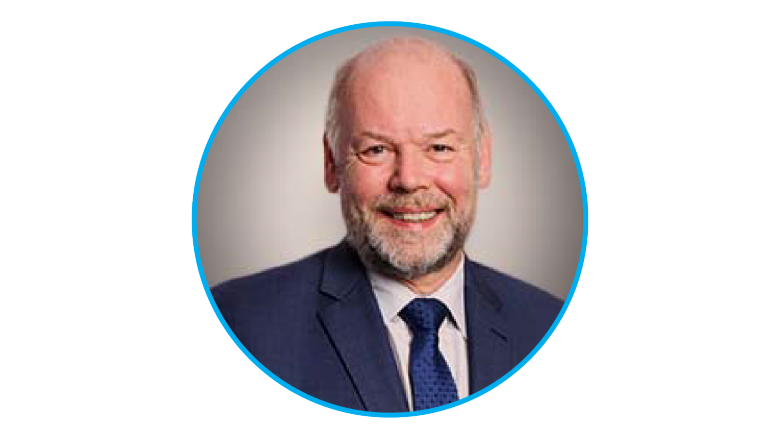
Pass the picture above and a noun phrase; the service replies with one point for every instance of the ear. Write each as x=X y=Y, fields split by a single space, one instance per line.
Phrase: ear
x=485 y=158
x=331 y=175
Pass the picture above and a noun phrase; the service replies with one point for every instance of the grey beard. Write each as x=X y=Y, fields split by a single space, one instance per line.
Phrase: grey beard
x=376 y=257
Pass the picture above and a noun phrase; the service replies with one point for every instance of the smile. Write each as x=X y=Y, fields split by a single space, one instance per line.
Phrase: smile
x=413 y=217
x=416 y=216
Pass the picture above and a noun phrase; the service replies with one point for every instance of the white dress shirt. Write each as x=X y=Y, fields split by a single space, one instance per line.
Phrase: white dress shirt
x=393 y=296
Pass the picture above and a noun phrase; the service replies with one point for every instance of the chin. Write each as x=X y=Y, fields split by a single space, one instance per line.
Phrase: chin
x=400 y=252
x=404 y=258
x=413 y=263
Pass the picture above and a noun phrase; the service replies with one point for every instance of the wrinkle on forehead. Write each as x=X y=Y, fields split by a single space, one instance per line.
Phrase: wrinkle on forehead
x=402 y=58
x=409 y=94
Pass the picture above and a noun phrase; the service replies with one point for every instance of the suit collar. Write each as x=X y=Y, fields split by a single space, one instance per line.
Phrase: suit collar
x=354 y=324
x=490 y=354
x=343 y=270
x=351 y=317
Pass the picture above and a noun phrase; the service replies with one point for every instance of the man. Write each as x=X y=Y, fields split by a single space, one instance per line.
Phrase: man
x=396 y=317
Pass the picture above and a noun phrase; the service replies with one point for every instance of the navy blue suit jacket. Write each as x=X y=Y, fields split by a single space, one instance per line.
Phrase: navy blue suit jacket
x=316 y=325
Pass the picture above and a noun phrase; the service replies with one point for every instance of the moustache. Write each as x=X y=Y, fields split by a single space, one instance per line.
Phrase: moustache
x=431 y=201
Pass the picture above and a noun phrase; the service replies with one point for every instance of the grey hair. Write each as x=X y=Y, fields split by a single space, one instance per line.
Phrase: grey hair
x=343 y=79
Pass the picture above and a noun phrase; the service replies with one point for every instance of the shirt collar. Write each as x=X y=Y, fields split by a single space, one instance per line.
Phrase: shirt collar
x=393 y=296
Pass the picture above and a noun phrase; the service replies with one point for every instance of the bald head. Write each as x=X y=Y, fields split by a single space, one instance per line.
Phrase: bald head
x=404 y=63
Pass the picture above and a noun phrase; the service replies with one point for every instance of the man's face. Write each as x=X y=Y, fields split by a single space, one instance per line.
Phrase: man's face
x=408 y=168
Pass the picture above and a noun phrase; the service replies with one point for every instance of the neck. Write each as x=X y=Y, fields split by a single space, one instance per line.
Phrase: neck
x=431 y=282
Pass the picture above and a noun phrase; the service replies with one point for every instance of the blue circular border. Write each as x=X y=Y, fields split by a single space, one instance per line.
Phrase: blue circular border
x=418 y=26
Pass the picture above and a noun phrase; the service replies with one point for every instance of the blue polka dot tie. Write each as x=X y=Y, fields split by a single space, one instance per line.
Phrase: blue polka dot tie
x=432 y=383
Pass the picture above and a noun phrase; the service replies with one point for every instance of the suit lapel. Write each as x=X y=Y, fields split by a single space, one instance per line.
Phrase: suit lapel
x=351 y=317
x=490 y=354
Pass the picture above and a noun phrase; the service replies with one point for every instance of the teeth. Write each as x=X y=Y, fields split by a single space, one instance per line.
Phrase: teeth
x=421 y=216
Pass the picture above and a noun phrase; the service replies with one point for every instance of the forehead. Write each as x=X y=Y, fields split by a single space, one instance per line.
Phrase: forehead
x=409 y=94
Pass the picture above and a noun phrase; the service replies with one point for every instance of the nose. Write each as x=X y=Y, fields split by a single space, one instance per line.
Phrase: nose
x=409 y=174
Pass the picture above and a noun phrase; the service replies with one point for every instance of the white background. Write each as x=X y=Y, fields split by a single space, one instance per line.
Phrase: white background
x=107 y=331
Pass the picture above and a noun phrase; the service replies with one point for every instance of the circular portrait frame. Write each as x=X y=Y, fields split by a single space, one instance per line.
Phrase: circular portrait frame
x=584 y=210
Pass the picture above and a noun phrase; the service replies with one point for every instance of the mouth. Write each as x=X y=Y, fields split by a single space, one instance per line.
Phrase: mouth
x=411 y=217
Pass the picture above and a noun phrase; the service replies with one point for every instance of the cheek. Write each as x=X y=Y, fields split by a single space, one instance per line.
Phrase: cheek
x=456 y=182
x=365 y=182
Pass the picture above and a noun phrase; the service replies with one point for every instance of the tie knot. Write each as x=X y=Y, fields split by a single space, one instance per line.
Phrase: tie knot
x=424 y=315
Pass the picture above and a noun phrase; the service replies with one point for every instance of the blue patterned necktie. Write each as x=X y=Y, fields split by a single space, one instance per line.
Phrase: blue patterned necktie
x=432 y=383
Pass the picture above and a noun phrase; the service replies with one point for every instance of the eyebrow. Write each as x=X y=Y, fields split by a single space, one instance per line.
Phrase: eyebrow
x=376 y=136
x=441 y=134
x=430 y=136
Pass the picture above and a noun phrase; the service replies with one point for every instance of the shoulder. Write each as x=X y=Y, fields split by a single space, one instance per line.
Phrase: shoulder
x=516 y=295
x=271 y=289
x=301 y=271
x=522 y=312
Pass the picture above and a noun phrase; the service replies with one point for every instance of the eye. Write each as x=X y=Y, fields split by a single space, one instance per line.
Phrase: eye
x=374 y=150
x=441 y=152
x=440 y=147
x=375 y=154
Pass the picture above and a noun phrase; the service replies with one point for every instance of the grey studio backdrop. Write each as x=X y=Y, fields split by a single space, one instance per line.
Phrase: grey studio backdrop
x=262 y=201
